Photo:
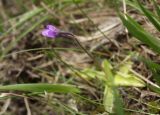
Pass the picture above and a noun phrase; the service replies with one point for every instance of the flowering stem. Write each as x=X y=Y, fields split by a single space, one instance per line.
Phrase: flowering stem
x=72 y=36
x=88 y=53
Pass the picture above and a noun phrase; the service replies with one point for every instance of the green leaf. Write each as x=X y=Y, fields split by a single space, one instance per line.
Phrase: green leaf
x=107 y=68
x=151 y=16
x=153 y=19
x=155 y=89
x=41 y=87
x=124 y=77
x=137 y=31
x=108 y=99
x=111 y=91
x=157 y=8
x=91 y=73
x=133 y=4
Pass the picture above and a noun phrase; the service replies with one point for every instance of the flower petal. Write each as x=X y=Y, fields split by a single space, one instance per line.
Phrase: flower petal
x=52 y=28
x=49 y=33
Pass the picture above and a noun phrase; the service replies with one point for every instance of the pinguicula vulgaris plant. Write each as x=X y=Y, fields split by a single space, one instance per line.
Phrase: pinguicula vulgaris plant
x=110 y=80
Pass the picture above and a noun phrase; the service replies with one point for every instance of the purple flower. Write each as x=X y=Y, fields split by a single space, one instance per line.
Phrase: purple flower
x=50 y=31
